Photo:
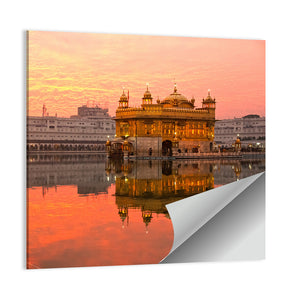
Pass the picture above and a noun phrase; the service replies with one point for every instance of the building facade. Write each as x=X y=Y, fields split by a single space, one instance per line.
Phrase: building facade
x=164 y=128
x=250 y=129
x=86 y=131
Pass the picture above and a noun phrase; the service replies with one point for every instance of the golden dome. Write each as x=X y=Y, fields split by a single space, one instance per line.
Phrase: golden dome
x=175 y=98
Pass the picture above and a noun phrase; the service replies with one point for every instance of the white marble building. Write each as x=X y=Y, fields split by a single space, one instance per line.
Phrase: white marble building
x=88 y=130
x=250 y=128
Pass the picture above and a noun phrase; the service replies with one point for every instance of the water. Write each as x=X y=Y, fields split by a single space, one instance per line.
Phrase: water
x=84 y=210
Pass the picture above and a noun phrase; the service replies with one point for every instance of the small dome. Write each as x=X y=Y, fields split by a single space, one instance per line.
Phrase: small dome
x=125 y=143
x=238 y=141
x=123 y=97
x=209 y=98
x=147 y=94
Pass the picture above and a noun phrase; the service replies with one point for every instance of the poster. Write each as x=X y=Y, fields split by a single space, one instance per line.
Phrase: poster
x=123 y=128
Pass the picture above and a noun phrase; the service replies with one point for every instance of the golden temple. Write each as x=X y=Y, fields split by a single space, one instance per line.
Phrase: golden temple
x=165 y=128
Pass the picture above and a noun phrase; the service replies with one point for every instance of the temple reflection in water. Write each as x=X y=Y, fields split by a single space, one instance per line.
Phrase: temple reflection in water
x=146 y=185
x=112 y=212
x=150 y=185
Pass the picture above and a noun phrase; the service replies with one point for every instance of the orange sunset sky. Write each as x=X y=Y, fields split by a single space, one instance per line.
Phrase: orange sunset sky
x=65 y=70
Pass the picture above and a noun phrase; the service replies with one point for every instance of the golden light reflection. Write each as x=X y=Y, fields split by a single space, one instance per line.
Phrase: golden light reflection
x=66 y=230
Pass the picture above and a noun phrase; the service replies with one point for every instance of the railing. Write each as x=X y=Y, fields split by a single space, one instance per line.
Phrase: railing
x=209 y=155
x=165 y=112
x=219 y=155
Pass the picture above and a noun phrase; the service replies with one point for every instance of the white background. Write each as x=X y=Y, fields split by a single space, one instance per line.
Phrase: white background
x=275 y=21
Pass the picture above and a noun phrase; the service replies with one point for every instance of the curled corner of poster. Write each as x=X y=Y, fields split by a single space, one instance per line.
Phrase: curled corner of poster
x=223 y=224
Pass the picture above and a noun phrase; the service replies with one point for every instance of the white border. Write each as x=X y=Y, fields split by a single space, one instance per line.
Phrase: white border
x=275 y=21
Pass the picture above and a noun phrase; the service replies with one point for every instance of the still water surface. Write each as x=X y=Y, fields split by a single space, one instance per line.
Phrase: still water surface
x=83 y=210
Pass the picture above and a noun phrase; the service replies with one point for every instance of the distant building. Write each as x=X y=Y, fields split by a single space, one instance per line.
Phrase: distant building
x=86 y=131
x=165 y=128
x=250 y=129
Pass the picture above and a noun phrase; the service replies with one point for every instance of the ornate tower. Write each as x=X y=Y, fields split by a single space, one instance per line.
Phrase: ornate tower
x=123 y=102
x=123 y=213
x=193 y=101
x=147 y=99
x=147 y=216
x=209 y=102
